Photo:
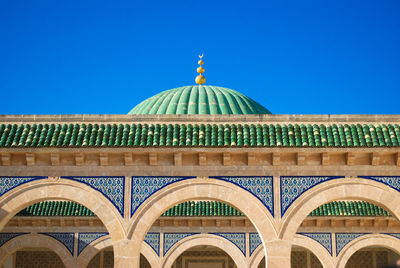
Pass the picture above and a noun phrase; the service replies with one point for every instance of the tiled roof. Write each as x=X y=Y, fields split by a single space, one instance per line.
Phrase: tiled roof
x=204 y=208
x=349 y=208
x=56 y=208
x=195 y=135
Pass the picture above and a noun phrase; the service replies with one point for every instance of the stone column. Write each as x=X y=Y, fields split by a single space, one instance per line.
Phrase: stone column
x=127 y=254
x=278 y=254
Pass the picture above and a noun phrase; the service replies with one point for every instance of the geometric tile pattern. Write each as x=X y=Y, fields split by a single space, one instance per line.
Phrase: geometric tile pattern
x=260 y=186
x=144 y=187
x=254 y=242
x=153 y=240
x=325 y=239
x=84 y=239
x=5 y=237
x=293 y=187
x=342 y=239
x=170 y=239
x=67 y=239
x=9 y=182
x=238 y=239
x=111 y=187
x=391 y=181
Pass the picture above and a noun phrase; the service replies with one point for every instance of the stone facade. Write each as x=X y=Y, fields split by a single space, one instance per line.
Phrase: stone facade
x=128 y=189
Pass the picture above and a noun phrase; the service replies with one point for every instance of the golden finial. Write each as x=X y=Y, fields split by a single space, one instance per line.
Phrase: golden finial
x=200 y=79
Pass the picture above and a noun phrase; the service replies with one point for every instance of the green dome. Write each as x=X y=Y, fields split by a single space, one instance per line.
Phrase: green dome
x=199 y=100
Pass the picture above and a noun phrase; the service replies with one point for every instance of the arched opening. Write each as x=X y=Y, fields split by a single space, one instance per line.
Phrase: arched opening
x=300 y=258
x=33 y=258
x=105 y=259
x=203 y=190
x=204 y=256
x=373 y=257
x=34 y=249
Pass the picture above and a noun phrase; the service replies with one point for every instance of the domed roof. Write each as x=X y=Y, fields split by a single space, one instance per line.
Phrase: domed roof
x=199 y=100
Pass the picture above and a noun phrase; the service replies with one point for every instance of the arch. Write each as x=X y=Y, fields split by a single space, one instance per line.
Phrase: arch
x=47 y=189
x=257 y=256
x=37 y=241
x=199 y=188
x=104 y=242
x=150 y=255
x=316 y=248
x=382 y=240
x=91 y=250
x=338 y=189
x=204 y=239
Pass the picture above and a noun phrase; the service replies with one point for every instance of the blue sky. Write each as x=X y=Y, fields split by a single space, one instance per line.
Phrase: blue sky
x=293 y=57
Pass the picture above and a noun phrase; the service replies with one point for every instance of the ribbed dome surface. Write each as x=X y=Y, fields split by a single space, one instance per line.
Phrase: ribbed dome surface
x=199 y=100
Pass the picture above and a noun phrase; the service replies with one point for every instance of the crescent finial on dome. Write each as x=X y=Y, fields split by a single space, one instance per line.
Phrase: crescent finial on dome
x=200 y=79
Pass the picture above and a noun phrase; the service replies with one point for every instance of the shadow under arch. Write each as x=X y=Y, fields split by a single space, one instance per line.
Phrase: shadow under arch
x=205 y=189
x=37 y=241
x=316 y=248
x=36 y=191
x=339 y=189
x=382 y=240
x=207 y=240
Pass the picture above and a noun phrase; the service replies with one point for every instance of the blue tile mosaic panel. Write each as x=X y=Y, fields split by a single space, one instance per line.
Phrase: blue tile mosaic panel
x=238 y=239
x=67 y=239
x=325 y=239
x=144 y=186
x=8 y=183
x=170 y=239
x=5 y=237
x=260 y=186
x=342 y=239
x=254 y=242
x=111 y=187
x=153 y=240
x=84 y=239
x=293 y=187
x=391 y=181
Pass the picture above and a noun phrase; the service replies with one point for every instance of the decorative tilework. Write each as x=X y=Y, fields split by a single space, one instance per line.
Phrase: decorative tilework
x=391 y=181
x=110 y=187
x=394 y=235
x=260 y=186
x=325 y=239
x=85 y=239
x=293 y=187
x=170 y=239
x=254 y=242
x=5 y=237
x=144 y=187
x=342 y=239
x=238 y=239
x=67 y=239
x=8 y=183
x=153 y=240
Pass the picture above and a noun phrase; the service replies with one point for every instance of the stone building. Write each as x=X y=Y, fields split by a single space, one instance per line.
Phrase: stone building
x=199 y=176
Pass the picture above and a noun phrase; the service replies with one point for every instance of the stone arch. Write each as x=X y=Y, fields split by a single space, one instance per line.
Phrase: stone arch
x=47 y=189
x=385 y=241
x=91 y=250
x=204 y=239
x=257 y=256
x=200 y=188
x=316 y=248
x=104 y=242
x=37 y=241
x=338 y=189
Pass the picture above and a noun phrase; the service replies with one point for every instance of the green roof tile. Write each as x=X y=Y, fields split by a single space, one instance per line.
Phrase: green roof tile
x=196 y=135
x=203 y=209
